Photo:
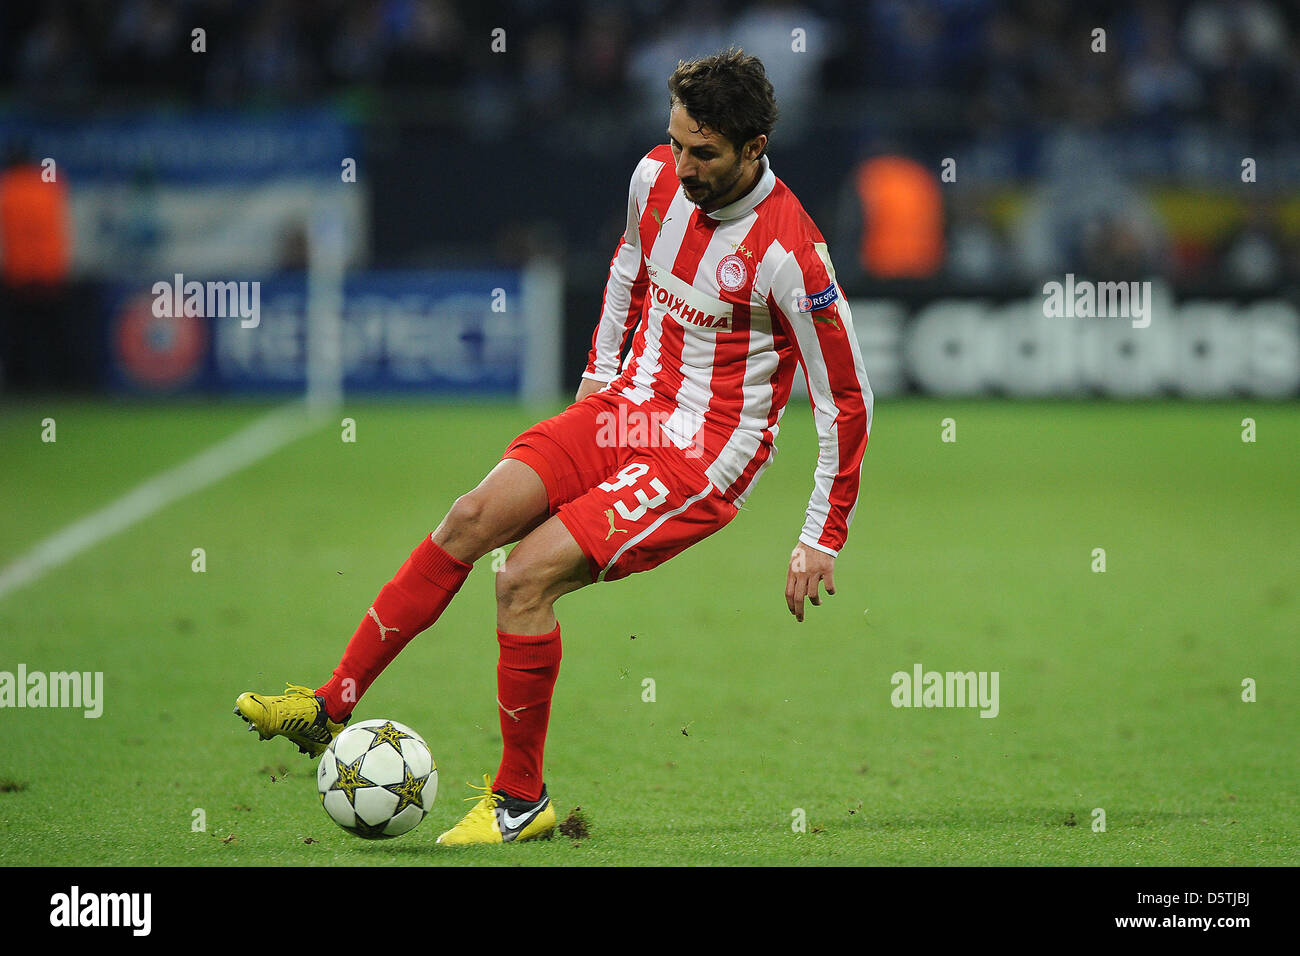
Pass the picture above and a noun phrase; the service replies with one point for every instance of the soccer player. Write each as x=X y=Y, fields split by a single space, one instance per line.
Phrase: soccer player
x=729 y=286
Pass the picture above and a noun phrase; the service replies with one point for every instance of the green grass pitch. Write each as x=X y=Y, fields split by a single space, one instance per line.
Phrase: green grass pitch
x=1119 y=690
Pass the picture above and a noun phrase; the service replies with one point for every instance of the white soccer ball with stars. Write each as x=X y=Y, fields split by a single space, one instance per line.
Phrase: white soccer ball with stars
x=377 y=779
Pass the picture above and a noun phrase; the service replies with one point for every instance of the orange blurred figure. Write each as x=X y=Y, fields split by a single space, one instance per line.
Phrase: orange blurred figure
x=902 y=218
x=34 y=246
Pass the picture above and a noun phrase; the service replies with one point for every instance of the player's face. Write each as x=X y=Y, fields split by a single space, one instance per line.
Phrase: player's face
x=712 y=173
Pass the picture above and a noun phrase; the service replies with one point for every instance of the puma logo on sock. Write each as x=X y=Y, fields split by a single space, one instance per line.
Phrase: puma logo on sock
x=509 y=711
x=383 y=631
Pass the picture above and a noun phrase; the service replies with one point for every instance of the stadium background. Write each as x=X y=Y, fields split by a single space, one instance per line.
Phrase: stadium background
x=1121 y=165
x=441 y=184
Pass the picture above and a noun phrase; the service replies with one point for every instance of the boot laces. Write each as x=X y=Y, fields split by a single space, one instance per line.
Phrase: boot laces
x=488 y=800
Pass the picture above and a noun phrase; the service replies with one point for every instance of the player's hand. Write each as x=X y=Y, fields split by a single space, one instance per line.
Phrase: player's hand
x=587 y=387
x=808 y=569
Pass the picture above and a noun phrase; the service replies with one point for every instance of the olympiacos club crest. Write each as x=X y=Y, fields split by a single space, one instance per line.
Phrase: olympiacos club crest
x=732 y=273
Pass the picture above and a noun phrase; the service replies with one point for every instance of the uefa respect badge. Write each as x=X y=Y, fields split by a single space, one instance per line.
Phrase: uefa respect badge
x=811 y=303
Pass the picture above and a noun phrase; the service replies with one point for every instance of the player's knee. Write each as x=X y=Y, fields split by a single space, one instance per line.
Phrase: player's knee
x=520 y=587
x=463 y=527
x=467 y=511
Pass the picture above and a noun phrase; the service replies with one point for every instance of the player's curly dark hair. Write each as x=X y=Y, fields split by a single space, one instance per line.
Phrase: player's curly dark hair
x=728 y=93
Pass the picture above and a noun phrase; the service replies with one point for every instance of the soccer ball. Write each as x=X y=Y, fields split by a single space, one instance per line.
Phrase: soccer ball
x=377 y=779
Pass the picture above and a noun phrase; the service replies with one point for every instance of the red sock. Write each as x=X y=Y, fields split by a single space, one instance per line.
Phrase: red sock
x=406 y=605
x=526 y=673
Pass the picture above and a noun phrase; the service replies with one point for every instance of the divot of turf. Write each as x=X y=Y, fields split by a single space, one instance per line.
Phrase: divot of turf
x=575 y=825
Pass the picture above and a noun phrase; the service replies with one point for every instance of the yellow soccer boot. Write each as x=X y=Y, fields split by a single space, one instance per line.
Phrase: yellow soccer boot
x=501 y=818
x=297 y=714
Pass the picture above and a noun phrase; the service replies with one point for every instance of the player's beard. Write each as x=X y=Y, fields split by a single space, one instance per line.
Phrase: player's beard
x=706 y=195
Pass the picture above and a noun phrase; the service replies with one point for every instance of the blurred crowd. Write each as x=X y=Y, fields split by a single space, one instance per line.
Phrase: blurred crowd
x=1028 y=85
x=1234 y=64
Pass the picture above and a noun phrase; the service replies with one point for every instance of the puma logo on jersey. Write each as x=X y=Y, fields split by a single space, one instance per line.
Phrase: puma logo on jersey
x=655 y=212
x=609 y=513
x=383 y=631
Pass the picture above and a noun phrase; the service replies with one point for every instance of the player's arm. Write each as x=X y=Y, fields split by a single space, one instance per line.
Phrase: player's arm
x=624 y=296
x=589 y=386
x=806 y=299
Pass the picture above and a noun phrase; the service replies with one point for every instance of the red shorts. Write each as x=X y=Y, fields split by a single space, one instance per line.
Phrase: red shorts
x=630 y=497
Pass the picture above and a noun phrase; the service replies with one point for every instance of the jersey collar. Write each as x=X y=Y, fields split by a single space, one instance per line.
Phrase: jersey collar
x=746 y=203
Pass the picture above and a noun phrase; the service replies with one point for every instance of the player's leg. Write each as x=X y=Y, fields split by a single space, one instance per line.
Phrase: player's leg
x=504 y=506
x=543 y=468
x=651 y=508
x=547 y=564
x=507 y=504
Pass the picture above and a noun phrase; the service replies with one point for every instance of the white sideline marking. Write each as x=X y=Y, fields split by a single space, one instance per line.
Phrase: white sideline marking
x=247 y=446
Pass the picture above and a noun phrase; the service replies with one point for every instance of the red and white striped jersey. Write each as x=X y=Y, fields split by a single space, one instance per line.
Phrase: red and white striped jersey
x=728 y=304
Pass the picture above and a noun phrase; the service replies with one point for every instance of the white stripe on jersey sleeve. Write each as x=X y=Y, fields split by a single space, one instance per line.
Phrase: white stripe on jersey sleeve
x=623 y=271
x=787 y=287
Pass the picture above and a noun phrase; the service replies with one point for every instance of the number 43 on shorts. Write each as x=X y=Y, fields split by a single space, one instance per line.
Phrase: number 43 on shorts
x=630 y=477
